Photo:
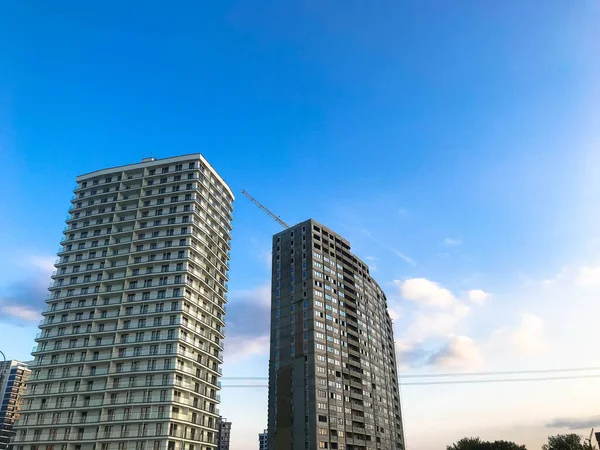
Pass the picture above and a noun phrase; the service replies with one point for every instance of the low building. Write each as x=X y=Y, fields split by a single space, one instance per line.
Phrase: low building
x=224 y=434
x=263 y=440
x=13 y=376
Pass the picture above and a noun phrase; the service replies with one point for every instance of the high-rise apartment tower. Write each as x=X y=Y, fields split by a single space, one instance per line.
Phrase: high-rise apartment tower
x=130 y=346
x=333 y=381
x=13 y=376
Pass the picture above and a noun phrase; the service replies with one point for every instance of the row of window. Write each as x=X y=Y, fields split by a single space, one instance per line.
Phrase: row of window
x=165 y=169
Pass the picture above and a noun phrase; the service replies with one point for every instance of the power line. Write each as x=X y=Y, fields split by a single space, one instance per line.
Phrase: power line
x=500 y=372
x=500 y=380
x=423 y=383
x=462 y=374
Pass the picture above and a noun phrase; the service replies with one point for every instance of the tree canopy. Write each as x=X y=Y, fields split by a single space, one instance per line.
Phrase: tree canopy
x=566 y=442
x=478 y=444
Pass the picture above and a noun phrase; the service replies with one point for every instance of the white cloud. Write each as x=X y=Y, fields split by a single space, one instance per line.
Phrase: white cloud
x=431 y=325
x=528 y=338
x=478 y=296
x=451 y=242
x=43 y=263
x=560 y=276
x=425 y=292
x=459 y=353
x=426 y=322
x=461 y=310
x=585 y=276
x=20 y=312
x=588 y=276
x=395 y=313
x=241 y=347
x=260 y=295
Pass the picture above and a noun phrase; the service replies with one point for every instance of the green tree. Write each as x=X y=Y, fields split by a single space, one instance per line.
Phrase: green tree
x=478 y=444
x=505 y=445
x=467 y=444
x=565 y=442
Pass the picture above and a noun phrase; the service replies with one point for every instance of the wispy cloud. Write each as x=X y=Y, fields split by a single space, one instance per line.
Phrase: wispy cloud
x=425 y=325
x=43 y=263
x=451 y=242
x=459 y=353
x=405 y=258
x=260 y=295
x=578 y=423
x=585 y=276
x=527 y=338
x=242 y=347
x=588 y=276
x=20 y=312
x=397 y=252
x=559 y=277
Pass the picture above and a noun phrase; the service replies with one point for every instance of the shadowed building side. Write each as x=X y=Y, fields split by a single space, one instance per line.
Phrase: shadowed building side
x=333 y=382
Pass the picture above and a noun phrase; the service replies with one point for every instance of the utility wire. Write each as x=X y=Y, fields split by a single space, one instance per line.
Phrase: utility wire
x=462 y=374
x=500 y=372
x=422 y=383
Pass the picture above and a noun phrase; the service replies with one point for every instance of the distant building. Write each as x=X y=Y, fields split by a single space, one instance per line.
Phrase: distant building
x=263 y=440
x=13 y=376
x=224 y=434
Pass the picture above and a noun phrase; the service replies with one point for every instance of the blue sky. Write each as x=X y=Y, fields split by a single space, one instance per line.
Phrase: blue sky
x=456 y=145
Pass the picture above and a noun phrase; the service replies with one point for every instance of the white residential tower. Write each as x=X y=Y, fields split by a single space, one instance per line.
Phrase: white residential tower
x=130 y=346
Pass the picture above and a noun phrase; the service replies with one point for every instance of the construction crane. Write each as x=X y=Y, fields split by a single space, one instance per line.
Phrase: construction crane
x=264 y=208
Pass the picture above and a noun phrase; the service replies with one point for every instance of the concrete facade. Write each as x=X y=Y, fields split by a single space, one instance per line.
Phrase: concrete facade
x=13 y=375
x=333 y=382
x=130 y=346
x=263 y=440
x=224 y=437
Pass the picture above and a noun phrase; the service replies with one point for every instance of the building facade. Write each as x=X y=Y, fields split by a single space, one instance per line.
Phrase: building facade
x=13 y=376
x=263 y=440
x=333 y=381
x=224 y=436
x=130 y=346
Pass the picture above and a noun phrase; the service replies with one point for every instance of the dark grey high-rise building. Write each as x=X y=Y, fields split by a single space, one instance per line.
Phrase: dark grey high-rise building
x=224 y=435
x=333 y=381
